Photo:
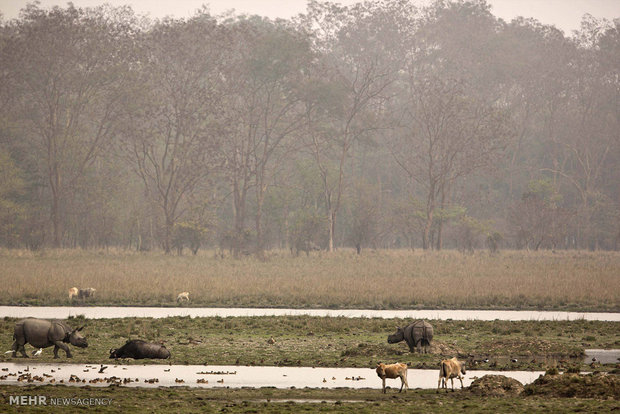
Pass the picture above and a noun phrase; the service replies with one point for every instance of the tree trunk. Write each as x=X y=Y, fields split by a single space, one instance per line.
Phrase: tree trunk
x=168 y=233
x=430 y=210
x=439 y=244
x=239 y=194
x=57 y=228
x=330 y=219
x=54 y=180
x=260 y=253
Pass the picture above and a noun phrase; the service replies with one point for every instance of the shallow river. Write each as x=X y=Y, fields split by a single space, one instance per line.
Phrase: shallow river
x=226 y=376
x=93 y=312
x=603 y=356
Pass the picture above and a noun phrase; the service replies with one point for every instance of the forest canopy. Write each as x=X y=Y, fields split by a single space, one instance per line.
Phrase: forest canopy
x=375 y=125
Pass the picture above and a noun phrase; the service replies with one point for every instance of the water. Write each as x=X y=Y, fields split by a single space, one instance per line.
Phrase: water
x=101 y=312
x=227 y=376
x=602 y=356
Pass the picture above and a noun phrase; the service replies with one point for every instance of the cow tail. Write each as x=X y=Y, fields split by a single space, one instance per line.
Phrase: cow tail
x=442 y=370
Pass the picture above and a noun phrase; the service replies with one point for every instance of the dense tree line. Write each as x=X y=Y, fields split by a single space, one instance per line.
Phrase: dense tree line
x=381 y=124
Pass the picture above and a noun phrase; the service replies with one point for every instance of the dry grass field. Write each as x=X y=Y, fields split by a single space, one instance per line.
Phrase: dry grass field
x=400 y=279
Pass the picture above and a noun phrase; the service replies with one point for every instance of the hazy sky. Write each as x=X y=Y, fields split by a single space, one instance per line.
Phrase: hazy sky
x=564 y=14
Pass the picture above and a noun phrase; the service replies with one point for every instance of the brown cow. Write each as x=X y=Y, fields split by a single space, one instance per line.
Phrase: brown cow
x=450 y=369
x=393 y=371
x=73 y=292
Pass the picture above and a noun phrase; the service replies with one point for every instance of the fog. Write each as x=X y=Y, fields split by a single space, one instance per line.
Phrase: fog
x=389 y=125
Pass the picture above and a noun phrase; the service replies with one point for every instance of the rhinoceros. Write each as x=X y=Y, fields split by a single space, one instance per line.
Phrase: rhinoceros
x=138 y=349
x=42 y=333
x=417 y=334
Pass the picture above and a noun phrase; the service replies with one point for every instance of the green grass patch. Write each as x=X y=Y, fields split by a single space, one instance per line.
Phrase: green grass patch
x=336 y=341
x=270 y=400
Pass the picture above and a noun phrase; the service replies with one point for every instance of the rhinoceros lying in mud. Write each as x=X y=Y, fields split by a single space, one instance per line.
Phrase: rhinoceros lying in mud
x=138 y=349
x=42 y=333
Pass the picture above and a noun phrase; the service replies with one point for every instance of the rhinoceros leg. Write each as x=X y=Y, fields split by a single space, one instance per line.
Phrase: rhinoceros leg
x=21 y=349
x=60 y=345
x=20 y=340
x=19 y=346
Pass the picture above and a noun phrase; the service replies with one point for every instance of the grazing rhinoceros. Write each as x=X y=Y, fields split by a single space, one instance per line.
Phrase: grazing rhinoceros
x=417 y=335
x=42 y=333
x=138 y=349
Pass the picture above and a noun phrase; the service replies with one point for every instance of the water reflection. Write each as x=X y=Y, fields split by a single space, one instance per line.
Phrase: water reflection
x=602 y=356
x=96 y=312
x=223 y=376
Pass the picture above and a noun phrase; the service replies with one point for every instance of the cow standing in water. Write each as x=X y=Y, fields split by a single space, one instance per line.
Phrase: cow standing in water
x=393 y=371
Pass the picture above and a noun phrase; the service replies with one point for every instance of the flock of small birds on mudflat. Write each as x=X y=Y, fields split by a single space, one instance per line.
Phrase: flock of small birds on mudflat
x=28 y=377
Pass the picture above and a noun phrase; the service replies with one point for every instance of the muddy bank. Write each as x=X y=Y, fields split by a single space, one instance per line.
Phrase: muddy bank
x=183 y=399
x=574 y=385
x=496 y=386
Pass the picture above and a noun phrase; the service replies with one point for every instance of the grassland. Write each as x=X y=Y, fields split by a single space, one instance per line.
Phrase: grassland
x=401 y=279
x=270 y=400
x=339 y=342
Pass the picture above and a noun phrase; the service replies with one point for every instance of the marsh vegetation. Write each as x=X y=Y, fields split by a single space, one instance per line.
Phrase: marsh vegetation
x=340 y=342
x=271 y=400
x=381 y=279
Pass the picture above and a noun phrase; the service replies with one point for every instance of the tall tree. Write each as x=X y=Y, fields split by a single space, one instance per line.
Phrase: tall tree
x=357 y=70
x=591 y=126
x=68 y=70
x=265 y=73
x=447 y=134
x=449 y=111
x=171 y=127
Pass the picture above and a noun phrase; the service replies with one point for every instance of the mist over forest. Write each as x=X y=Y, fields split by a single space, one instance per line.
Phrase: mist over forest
x=376 y=125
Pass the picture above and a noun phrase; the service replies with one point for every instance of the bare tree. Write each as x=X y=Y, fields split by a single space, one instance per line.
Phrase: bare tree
x=447 y=134
x=69 y=68
x=170 y=134
x=265 y=70
x=354 y=79
x=590 y=129
x=537 y=219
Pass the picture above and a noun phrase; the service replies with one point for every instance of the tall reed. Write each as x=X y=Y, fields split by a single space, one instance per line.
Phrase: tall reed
x=384 y=279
